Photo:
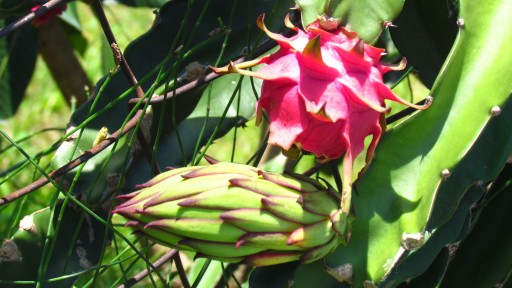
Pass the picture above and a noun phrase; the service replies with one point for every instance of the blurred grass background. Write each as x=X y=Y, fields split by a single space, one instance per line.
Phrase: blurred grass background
x=44 y=106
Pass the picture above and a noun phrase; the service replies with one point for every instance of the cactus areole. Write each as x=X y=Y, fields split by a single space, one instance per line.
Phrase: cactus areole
x=236 y=213
x=323 y=92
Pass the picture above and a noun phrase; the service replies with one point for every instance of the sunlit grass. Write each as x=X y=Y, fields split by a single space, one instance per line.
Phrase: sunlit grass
x=44 y=107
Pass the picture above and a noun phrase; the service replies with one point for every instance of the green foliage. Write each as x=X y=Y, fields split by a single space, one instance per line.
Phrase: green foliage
x=17 y=61
x=74 y=249
x=486 y=253
x=367 y=18
x=397 y=193
x=424 y=33
x=9 y=8
x=435 y=175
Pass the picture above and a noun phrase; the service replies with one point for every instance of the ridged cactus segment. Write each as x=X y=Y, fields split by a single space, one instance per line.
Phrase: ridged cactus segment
x=263 y=187
x=234 y=213
x=311 y=235
x=171 y=209
x=225 y=168
x=192 y=187
x=224 y=198
x=317 y=252
x=214 y=230
x=219 y=249
x=319 y=203
x=288 y=181
x=268 y=240
x=163 y=176
x=156 y=234
x=272 y=258
x=256 y=220
x=285 y=208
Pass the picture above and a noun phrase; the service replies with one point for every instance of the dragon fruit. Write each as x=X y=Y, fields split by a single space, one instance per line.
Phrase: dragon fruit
x=323 y=92
x=237 y=213
x=42 y=19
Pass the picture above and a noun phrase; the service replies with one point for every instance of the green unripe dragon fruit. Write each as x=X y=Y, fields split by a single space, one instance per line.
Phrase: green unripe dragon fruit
x=237 y=213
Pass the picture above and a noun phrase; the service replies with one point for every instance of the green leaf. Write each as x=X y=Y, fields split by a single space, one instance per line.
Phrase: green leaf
x=145 y=3
x=70 y=256
x=18 y=53
x=486 y=253
x=99 y=177
x=74 y=27
x=275 y=276
x=424 y=34
x=366 y=17
x=211 y=276
x=419 y=261
x=177 y=150
x=158 y=40
x=10 y=8
x=396 y=194
x=481 y=165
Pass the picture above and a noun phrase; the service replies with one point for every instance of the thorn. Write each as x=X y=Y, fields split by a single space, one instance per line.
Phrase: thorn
x=460 y=23
x=313 y=48
x=210 y=160
x=387 y=24
x=495 y=111
x=445 y=174
x=358 y=48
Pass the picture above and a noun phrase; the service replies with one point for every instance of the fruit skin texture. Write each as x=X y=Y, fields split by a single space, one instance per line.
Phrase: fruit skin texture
x=237 y=213
x=323 y=92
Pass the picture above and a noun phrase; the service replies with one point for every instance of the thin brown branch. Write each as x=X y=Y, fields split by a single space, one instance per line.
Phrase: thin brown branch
x=260 y=50
x=45 y=8
x=72 y=164
x=107 y=142
x=116 y=51
x=121 y=61
x=143 y=274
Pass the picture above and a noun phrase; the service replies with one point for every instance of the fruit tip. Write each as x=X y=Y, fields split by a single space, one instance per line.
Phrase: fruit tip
x=239 y=243
x=210 y=160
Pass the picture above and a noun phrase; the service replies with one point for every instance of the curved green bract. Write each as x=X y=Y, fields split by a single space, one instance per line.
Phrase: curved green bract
x=366 y=17
x=396 y=195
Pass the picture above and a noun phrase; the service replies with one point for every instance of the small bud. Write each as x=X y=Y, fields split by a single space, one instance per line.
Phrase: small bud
x=460 y=22
x=102 y=135
x=413 y=241
x=27 y=224
x=329 y=23
x=194 y=71
x=9 y=252
x=445 y=174
x=82 y=256
x=343 y=273
x=495 y=111
x=369 y=284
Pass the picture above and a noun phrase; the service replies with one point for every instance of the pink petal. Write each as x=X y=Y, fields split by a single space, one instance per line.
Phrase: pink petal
x=323 y=139
x=288 y=117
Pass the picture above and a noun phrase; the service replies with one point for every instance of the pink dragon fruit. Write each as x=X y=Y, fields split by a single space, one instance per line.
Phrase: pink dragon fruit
x=46 y=17
x=323 y=92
